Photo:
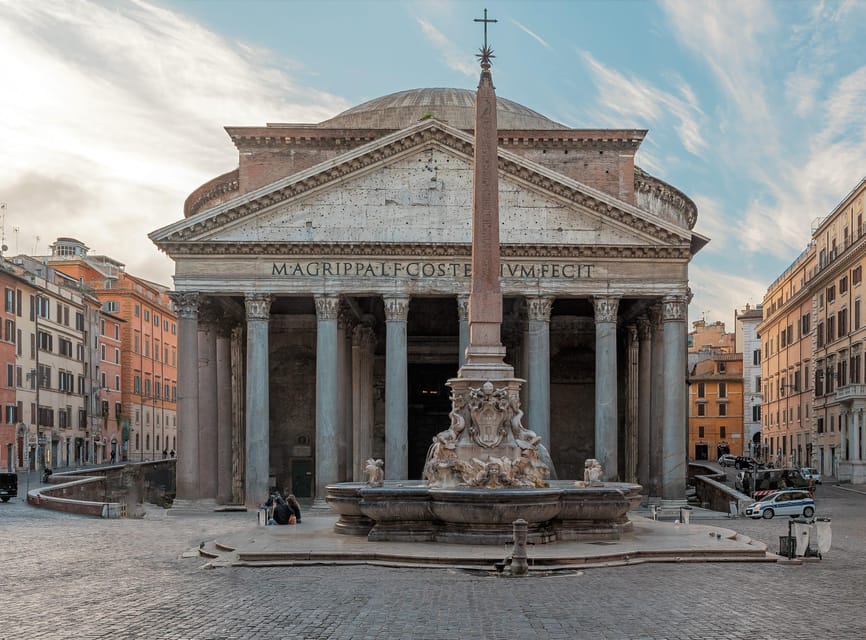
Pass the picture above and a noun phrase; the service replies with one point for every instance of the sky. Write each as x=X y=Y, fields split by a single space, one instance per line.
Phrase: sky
x=112 y=112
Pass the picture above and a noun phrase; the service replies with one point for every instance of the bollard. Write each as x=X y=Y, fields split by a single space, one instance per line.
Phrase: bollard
x=685 y=514
x=519 y=566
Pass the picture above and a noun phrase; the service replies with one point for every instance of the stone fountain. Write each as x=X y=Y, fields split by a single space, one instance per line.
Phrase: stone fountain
x=487 y=469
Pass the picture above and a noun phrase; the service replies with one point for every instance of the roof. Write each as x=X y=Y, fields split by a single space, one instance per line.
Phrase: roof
x=454 y=106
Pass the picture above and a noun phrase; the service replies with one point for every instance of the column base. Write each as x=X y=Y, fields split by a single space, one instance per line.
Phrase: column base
x=853 y=471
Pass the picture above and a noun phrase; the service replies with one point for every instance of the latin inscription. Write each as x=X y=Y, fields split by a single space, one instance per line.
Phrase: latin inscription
x=459 y=270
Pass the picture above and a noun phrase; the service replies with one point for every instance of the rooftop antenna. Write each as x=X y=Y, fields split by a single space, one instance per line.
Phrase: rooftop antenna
x=36 y=246
x=3 y=246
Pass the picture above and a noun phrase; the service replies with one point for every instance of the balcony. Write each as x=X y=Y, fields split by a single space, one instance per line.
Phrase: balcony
x=851 y=392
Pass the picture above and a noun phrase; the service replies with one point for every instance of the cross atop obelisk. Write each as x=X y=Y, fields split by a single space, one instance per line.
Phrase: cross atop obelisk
x=484 y=356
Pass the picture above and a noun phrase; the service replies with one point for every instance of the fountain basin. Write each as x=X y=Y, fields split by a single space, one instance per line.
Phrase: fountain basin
x=406 y=511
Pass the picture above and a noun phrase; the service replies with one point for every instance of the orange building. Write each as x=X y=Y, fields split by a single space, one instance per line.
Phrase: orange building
x=145 y=321
x=716 y=406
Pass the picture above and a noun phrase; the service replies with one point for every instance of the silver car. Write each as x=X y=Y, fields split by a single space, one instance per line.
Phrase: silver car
x=811 y=472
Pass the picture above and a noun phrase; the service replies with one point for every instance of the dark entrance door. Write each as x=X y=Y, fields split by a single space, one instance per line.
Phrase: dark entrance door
x=302 y=477
x=701 y=452
x=429 y=406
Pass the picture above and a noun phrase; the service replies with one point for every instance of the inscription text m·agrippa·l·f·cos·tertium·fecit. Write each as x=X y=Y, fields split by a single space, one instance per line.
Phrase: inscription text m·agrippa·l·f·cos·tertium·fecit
x=419 y=269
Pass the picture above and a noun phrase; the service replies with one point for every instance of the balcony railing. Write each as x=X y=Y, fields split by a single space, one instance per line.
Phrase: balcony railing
x=851 y=392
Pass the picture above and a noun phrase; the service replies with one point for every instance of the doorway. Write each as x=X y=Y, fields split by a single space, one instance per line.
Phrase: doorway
x=701 y=451
x=302 y=477
x=429 y=406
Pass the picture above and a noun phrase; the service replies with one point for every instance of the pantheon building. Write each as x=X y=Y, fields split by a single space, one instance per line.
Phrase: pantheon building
x=322 y=287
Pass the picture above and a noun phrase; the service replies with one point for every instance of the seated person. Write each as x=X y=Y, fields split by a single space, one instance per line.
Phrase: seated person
x=282 y=511
x=295 y=506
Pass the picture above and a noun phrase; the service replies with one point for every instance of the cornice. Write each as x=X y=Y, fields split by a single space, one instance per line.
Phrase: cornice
x=320 y=249
x=389 y=147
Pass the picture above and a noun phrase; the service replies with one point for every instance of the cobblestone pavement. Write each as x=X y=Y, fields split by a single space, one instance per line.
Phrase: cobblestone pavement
x=65 y=576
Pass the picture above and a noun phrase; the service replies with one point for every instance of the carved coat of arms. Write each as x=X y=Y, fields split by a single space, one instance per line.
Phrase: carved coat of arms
x=489 y=412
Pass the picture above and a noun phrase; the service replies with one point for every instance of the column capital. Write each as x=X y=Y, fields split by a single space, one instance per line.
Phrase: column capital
x=463 y=307
x=674 y=308
x=396 y=308
x=258 y=306
x=538 y=307
x=644 y=328
x=363 y=336
x=327 y=307
x=186 y=303
x=606 y=308
x=345 y=318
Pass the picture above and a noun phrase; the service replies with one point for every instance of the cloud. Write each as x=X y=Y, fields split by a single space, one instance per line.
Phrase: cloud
x=534 y=35
x=717 y=293
x=629 y=101
x=713 y=223
x=111 y=115
x=454 y=57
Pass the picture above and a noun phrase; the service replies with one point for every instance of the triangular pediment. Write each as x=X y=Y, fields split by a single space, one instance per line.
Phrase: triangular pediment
x=415 y=187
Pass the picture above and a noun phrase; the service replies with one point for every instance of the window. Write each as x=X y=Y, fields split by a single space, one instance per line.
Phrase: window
x=65 y=347
x=722 y=432
x=105 y=408
x=147 y=315
x=136 y=384
x=79 y=321
x=116 y=355
x=756 y=357
x=790 y=332
x=147 y=388
x=857 y=275
x=723 y=409
x=102 y=327
x=756 y=413
x=843 y=285
x=701 y=390
x=137 y=313
x=117 y=383
x=855 y=369
x=110 y=306
x=702 y=410
x=10 y=300
x=46 y=341
x=843 y=322
x=10 y=374
x=165 y=325
x=102 y=352
x=117 y=332
x=820 y=337
x=856 y=314
x=804 y=324
x=757 y=384
x=723 y=390
x=819 y=381
x=155 y=320
x=701 y=432
x=117 y=410
x=831 y=293
x=44 y=376
x=831 y=329
x=722 y=367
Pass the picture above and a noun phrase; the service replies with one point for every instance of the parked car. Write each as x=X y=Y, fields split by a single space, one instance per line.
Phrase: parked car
x=745 y=462
x=749 y=480
x=791 y=502
x=727 y=460
x=811 y=472
x=8 y=486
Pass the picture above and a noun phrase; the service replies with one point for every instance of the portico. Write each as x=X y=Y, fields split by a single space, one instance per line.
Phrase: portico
x=323 y=308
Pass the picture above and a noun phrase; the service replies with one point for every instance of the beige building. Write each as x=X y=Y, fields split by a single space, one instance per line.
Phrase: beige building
x=813 y=338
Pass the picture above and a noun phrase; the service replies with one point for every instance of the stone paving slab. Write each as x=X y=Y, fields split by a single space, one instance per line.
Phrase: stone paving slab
x=314 y=541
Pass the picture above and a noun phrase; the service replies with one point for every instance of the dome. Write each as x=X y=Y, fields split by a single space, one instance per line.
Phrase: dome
x=453 y=106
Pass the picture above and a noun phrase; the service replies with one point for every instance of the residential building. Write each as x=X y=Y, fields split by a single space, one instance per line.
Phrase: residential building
x=8 y=398
x=716 y=406
x=142 y=314
x=748 y=343
x=704 y=336
x=840 y=334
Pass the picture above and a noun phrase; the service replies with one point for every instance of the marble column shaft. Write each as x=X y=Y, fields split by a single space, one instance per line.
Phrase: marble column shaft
x=257 y=400
x=224 y=415
x=396 y=388
x=344 y=395
x=631 y=421
x=327 y=396
x=657 y=400
x=538 y=369
x=606 y=385
x=238 y=415
x=857 y=435
x=187 y=395
x=674 y=468
x=363 y=345
x=207 y=410
x=644 y=401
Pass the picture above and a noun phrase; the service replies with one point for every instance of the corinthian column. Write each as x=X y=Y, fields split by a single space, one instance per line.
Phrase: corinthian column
x=224 y=413
x=363 y=344
x=644 y=331
x=631 y=416
x=258 y=310
x=674 y=437
x=538 y=369
x=605 y=384
x=207 y=403
x=187 y=394
x=396 y=388
x=657 y=396
x=344 y=392
x=327 y=397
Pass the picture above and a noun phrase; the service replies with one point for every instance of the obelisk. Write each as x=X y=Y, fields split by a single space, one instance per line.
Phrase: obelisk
x=485 y=354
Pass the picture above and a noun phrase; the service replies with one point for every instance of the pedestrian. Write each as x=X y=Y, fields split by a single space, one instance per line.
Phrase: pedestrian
x=171 y=453
x=164 y=454
x=113 y=456
x=295 y=506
